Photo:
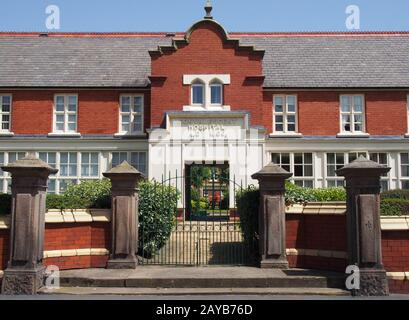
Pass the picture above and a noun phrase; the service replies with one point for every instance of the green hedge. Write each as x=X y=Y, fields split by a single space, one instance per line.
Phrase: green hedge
x=5 y=204
x=394 y=207
x=295 y=194
x=247 y=203
x=395 y=194
x=94 y=194
x=157 y=216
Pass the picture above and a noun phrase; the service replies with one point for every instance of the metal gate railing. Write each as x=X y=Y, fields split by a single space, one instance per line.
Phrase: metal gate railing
x=206 y=231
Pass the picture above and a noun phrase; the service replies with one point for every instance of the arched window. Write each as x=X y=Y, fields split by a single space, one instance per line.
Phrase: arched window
x=198 y=93
x=216 y=92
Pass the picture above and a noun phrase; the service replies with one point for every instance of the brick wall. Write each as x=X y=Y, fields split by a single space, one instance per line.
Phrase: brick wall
x=314 y=232
x=65 y=236
x=4 y=248
x=319 y=232
x=98 y=111
x=206 y=53
x=318 y=112
x=77 y=236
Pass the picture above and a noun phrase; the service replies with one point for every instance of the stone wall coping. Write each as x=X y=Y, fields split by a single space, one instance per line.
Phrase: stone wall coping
x=78 y=215
x=402 y=275
x=316 y=253
x=314 y=208
x=76 y=252
x=320 y=208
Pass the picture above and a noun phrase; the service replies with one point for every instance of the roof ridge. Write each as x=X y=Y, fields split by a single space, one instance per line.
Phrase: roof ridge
x=171 y=34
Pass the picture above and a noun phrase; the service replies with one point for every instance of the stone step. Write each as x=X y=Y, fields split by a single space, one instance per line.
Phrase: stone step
x=201 y=277
x=195 y=291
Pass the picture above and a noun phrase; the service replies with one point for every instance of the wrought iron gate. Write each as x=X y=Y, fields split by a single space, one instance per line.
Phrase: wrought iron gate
x=203 y=233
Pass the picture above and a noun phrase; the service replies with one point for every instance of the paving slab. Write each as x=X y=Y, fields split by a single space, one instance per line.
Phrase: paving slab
x=194 y=291
x=201 y=277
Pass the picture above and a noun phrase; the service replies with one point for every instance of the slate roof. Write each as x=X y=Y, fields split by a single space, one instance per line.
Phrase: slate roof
x=299 y=61
x=76 y=61
x=372 y=61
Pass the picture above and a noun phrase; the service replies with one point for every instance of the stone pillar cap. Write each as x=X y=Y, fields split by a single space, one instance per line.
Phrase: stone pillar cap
x=123 y=169
x=30 y=161
x=272 y=170
x=363 y=165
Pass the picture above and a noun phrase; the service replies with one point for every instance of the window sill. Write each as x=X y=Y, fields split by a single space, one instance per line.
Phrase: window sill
x=285 y=135
x=6 y=134
x=64 y=135
x=206 y=108
x=130 y=135
x=353 y=135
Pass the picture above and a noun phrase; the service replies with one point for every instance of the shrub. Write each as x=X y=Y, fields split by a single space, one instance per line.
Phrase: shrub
x=202 y=205
x=94 y=194
x=394 y=207
x=55 y=201
x=5 y=204
x=157 y=215
x=247 y=202
x=295 y=194
x=395 y=194
x=224 y=203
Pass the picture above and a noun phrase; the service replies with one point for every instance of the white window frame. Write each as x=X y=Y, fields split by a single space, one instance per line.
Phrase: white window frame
x=90 y=164
x=198 y=83
x=129 y=157
x=387 y=176
x=285 y=113
x=132 y=113
x=402 y=178
x=4 y=131
x=407 y=114
x=326 y=164
x=66 y=113
x=3 y=179
x=294 y=178
x=352 y=113
x=216 y=83
x=207 y=81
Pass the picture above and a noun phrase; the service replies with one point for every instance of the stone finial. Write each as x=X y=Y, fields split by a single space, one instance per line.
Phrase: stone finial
x=30 y=161
x=363 y=166
x=123 y=168
x=208 y=8
x=272 y=169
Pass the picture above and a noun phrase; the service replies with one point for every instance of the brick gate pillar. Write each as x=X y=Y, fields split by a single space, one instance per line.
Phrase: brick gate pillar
x=25 y=272
x=363 y=224
x=272 y=216
x=125 y=199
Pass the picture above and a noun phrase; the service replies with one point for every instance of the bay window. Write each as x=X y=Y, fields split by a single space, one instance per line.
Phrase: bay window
x=335 y=161
x=301 y=164
x=381 y=158
x=89 y=164
x=404 y=170
x=137 y=159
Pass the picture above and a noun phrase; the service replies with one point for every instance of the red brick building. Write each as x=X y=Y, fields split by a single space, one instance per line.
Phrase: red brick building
x=311 y=102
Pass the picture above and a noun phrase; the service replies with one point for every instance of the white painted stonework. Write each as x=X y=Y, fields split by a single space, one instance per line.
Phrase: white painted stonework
x=206 y=137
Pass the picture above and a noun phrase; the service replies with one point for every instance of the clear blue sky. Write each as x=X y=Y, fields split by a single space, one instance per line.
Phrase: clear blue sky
x=178 y=15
